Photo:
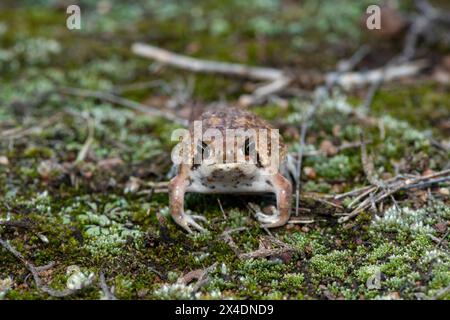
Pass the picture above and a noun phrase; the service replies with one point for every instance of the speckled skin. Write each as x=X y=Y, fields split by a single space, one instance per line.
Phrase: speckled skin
x=221 y=177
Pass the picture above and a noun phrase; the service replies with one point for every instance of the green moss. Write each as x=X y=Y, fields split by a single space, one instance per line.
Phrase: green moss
x=421 y=106
x=333 y=265
x=337 y=167
x=321 y=187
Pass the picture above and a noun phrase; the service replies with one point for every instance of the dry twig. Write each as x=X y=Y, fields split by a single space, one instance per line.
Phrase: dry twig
x=266 y=249
x=35 y=273
x=394 y=186
x=113 y=99
x=89 y=141
x=205 y=66
x=107 y=292
x=201 y=275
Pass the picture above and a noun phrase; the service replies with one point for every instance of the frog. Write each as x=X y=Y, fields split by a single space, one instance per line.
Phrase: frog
x=220 y=172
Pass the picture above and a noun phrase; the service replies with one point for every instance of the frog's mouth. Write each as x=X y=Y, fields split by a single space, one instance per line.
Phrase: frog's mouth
x=230 y=177
x=233 y=172
x=228 y=172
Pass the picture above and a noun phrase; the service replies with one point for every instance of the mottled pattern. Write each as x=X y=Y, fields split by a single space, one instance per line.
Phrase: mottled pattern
x=236 y=118
x=221 y=175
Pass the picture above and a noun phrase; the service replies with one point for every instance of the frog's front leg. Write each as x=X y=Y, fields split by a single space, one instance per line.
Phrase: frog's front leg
x=283 y=191
x=177 y=189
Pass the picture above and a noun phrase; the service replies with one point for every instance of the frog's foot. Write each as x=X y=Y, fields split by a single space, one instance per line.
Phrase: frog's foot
x=280 y=215
x=187 y=220
x=268 y=219
x=271 y=221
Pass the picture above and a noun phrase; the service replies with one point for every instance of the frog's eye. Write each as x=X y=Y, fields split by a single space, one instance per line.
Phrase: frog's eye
x=249 y=147
x=204 y=150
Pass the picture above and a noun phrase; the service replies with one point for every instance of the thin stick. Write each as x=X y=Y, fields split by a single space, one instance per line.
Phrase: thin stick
x=332 y=80
x=357 y=57
x=350 y=80
x=16 y=133
x=221 y=209
x=303 y=130
x=362 y=195
x=105 y=289
x=369 y=167
x=263 y=251
x=441 y=293
x=204 y=277
x=409 y=49
x=35 y=273
x=266 y=90
x=205 y=66
x=89 y=141
x=111 y=98
x=420 y=182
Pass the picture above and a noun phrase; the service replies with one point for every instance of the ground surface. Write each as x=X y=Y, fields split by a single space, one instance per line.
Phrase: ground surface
x=103 y=214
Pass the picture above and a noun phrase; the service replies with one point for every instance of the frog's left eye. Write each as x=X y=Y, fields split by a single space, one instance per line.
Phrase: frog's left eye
x=249 y=147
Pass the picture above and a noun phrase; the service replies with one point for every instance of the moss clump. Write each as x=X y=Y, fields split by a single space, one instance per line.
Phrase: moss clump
x=334 y=265
x=337 y=167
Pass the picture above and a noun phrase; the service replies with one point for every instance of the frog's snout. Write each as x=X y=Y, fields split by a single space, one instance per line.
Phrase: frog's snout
x=233 y=170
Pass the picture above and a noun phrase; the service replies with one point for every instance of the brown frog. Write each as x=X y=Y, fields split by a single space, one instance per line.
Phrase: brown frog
x=245 y=166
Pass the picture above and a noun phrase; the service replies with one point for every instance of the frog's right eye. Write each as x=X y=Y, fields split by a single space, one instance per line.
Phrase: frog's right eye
x=203 y=149
x=249 y=147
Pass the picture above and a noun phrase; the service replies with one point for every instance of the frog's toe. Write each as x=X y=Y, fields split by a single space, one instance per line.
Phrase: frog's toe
x=267 y=219
x=189 y=221
x=198 y=217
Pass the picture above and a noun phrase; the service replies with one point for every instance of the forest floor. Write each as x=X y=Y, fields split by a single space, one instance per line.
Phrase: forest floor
x=82 y=181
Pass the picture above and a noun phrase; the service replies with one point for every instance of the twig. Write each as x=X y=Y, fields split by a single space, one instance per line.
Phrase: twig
x=24 y=224
x=200 y=274
x=426 y=184
x=441 y=293
x=46 y=267
x=350 y=80
x=394 y=186
x=303 y=130
x=298 y=220
x=265 y=249
x=369 y=191
x=107 y=293
x=332 y=79
x=16 y=133
x=204 y=277
x=262 y=92
x=205 y=66
x=226 y=236
x=317 y=198
x=351 y=193
x=418 y=26
x=89 y=141
x=441 y=241
x=357 y=57
x=221 y=209
x=431 y=12
x=111 y=98
x=369 y=168
x=35 y=273
x=278 y=79
x=120 y=89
